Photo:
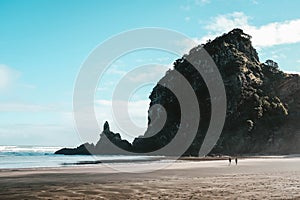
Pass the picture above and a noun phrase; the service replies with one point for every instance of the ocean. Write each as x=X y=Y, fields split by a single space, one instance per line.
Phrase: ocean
x=13 y=157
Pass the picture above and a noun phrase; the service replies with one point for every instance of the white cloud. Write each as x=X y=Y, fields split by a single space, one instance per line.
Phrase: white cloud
x=136 y=109
x=8 y=76
x=254 y=2
x=187 y=44
x=24 y=107
x=165 y=59
x=104 y=102
x=185 y=7
x=105 y=85
x=275 y=33
x=148 y=73
x=115 y=70
x=292 y=72
x=187 y=19
x=193 y=3
x=202 y=2
x=227 y=22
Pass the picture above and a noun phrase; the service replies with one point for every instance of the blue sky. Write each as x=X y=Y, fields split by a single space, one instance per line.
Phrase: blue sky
x=44 y=43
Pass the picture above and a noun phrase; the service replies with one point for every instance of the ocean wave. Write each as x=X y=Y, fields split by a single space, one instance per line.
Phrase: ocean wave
x=28 y=149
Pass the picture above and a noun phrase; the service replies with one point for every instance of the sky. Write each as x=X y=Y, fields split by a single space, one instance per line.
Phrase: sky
x=45 y=42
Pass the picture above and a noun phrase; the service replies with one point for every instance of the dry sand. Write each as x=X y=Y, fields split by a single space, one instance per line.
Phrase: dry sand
x=271 y=178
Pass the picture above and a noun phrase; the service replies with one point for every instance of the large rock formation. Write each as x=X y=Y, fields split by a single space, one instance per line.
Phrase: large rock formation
x=263 y=104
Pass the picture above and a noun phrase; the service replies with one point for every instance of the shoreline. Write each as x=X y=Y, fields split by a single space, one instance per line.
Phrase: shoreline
x=273 y=178
x=169 y=160
x=153 y=159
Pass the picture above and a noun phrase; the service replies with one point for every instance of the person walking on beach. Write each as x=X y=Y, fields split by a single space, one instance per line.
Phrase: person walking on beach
x=229 y=160
x=236 y=161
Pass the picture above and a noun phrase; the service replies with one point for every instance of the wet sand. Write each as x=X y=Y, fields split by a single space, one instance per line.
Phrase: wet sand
x=256 y=178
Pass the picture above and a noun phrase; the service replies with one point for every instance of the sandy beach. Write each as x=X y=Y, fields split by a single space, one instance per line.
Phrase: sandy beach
x=252 y=178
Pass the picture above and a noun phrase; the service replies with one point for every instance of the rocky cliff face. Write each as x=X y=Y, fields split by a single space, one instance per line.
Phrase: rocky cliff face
x=263 y=104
